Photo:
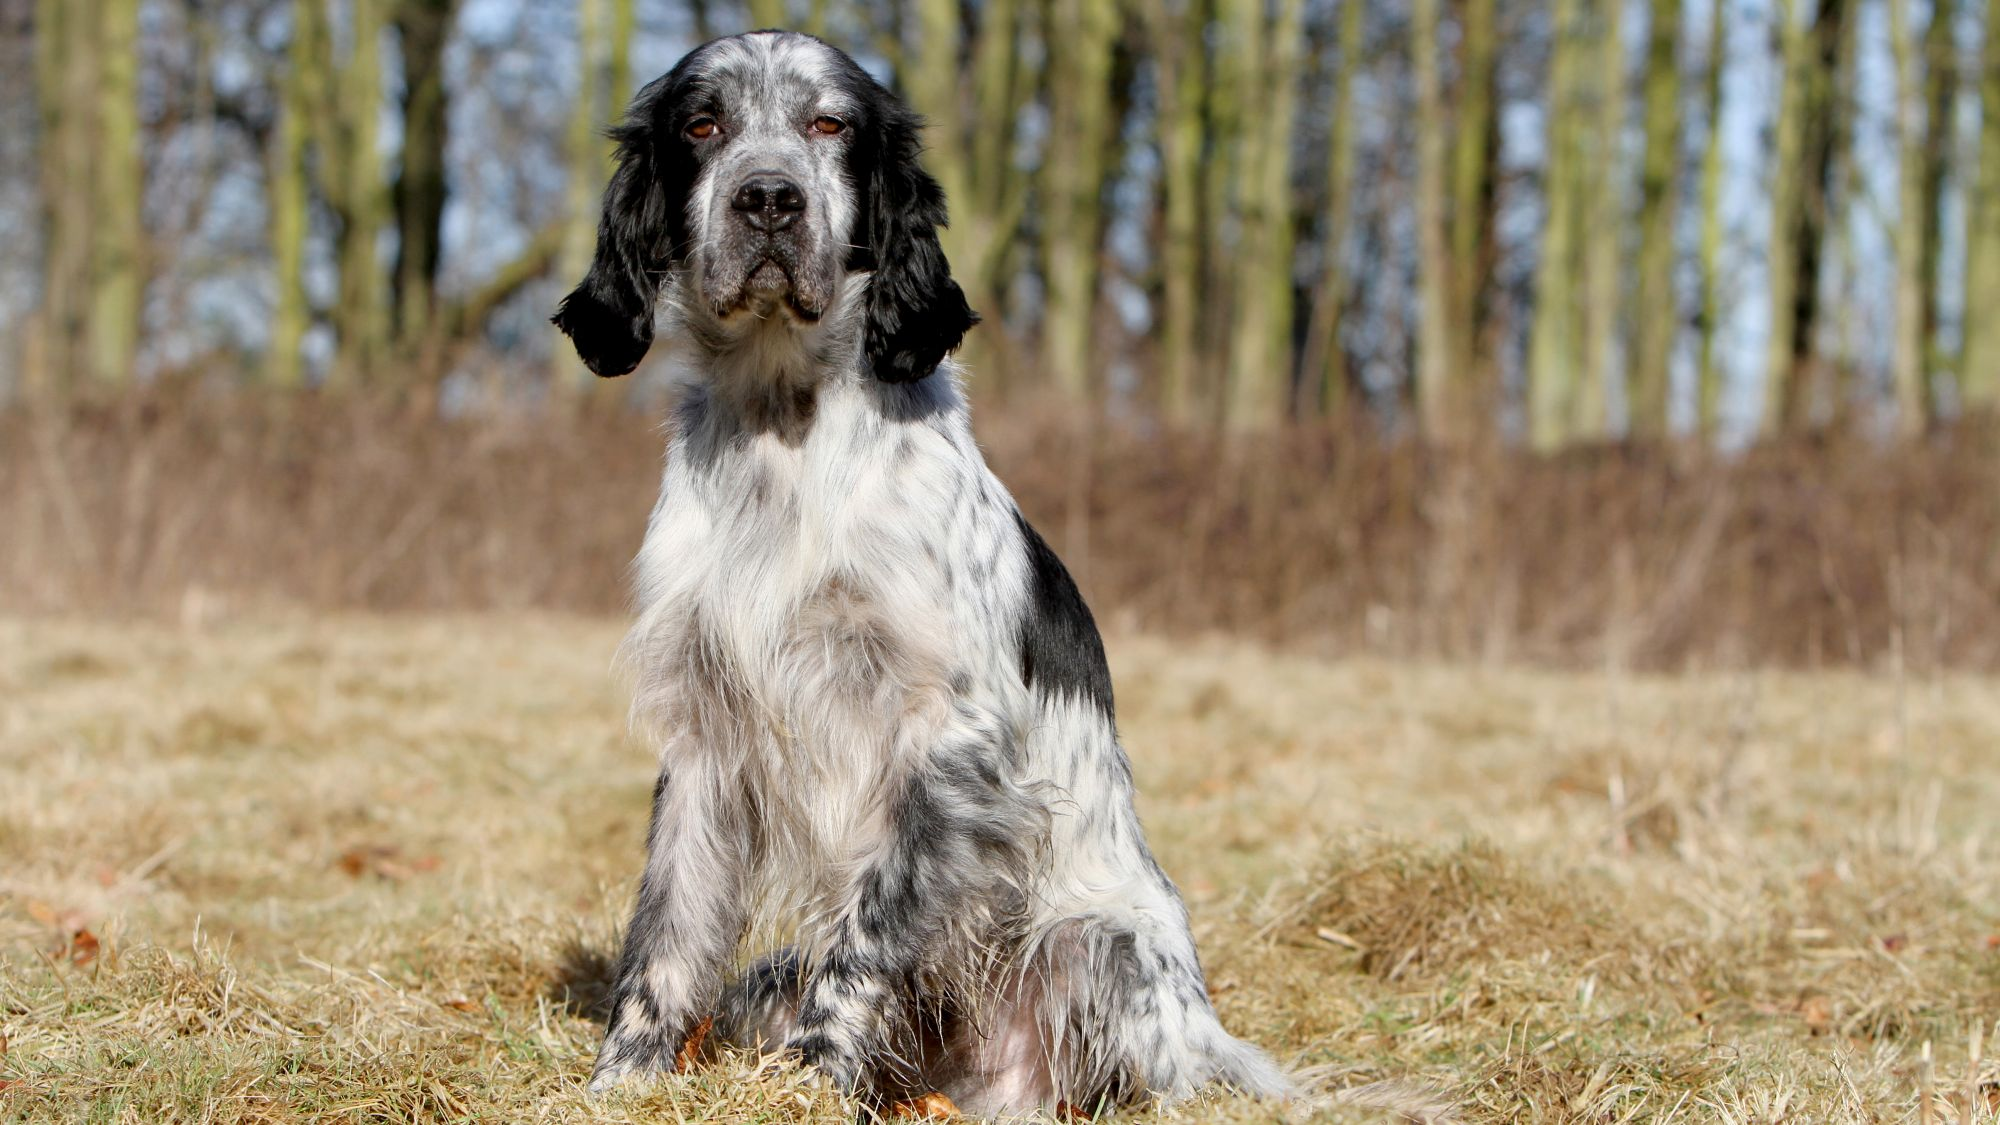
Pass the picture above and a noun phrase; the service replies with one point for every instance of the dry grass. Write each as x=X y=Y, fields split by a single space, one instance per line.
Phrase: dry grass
x=283 y=869
x=1832 y=552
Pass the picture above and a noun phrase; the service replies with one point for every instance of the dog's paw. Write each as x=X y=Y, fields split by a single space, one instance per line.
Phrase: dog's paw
x=840 y=1066
x=632 y=1054
x=608 y=1075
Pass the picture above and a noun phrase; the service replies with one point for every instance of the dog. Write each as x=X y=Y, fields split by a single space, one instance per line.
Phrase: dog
x=882 y=709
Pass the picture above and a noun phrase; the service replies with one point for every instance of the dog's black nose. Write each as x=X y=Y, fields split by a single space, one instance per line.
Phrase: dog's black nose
x=768 y=202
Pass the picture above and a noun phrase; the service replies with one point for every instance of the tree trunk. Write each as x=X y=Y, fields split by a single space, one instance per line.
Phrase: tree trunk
x=1656 y=320
x=587 y=159
x=290 y=195
x=423 y=26
x=1179 y=57
x=361 y=319
x=1325 y=361
x=1074 y=166
x=1231 y=125
x=1907 y=352
x=1808 y=132
x=1982 y=281
x=1475 y=174
x=118 y=189
x=1438 y=408
x=66 y=62
x=1554 y=365
x=1709 y=393
x=1940 y=96
x=1001 y=89
x=1787 y=185
x=986 y=214
x=932 y=81
x=1604 y=213
x=1261 y=382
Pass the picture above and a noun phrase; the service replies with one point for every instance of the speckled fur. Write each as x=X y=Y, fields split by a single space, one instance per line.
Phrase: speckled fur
x=888 y=756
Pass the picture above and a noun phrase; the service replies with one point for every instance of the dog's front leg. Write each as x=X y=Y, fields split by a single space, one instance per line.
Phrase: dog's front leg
x=689 y=919
x=951 y=856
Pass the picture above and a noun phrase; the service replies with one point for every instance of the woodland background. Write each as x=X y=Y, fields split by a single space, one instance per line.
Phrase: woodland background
x=1402 y=381
x=1657 y=332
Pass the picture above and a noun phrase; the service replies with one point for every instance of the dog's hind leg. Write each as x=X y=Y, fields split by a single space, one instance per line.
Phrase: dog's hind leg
x=1107 y=1009
x=760 y=1009
x=945 y=875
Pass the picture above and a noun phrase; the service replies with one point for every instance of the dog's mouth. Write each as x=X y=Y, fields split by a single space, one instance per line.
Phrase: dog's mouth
x=769 y=281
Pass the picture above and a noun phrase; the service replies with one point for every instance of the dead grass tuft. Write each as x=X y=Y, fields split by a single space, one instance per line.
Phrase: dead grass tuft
x=1413 y=912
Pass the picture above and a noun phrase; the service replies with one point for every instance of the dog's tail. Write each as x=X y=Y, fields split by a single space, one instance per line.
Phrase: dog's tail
x=1247 y=1069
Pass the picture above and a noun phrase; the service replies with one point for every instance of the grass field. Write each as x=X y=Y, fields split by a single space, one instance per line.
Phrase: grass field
x=285 y=869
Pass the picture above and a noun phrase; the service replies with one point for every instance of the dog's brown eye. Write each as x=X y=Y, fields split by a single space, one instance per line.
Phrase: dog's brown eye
x=828 y=125
x=702 y=128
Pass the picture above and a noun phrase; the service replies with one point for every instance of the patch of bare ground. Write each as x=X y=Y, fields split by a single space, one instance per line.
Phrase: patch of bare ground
x=371 y=869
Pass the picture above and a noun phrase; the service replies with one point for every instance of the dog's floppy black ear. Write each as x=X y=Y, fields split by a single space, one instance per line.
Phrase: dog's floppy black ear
x=916 y=312
x=609 y=315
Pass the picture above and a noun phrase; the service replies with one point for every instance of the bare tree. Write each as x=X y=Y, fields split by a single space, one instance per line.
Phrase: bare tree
x=1982 y=284
x=1708 y=393
x=1555 y=361
x=1324 y=361
x=1075 y=165
x=422 y=28
x=1654 y=323
x=1808 y=139
x=1438 y=352
x=1260 y=379
x=1912 y=412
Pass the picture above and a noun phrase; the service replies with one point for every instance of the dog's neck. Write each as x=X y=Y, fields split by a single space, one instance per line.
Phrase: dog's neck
x=765 y=372
x=762 y=370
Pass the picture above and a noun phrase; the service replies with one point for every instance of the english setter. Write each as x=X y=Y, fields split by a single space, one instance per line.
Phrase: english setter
x=883 y=712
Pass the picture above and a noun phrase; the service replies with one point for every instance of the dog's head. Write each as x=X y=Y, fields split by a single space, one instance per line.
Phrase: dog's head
x=756 y=176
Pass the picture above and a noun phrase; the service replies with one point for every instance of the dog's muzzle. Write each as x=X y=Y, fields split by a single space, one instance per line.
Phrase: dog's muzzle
x=763 y=263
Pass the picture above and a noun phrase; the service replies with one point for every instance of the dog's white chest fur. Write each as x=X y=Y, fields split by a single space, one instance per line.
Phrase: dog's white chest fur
x=809 y=609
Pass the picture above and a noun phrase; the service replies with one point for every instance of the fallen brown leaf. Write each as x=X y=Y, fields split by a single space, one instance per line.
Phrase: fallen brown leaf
x=1818 y=1014
x=384 y=861
x=82 y=947
x=931 y=1106
x=690 y=1050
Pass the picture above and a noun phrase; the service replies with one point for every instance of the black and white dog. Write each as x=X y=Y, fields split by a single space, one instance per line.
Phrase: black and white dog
x=883 y=712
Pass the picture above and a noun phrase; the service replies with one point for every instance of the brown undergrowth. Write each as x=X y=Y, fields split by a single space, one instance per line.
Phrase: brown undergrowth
x=183 y=503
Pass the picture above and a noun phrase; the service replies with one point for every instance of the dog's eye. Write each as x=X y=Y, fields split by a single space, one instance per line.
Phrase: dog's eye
x=702 y=128
x=828 y=125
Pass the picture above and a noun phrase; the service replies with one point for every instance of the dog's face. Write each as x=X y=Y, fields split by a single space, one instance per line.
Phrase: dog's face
x=756 y=176
x=772 y=206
